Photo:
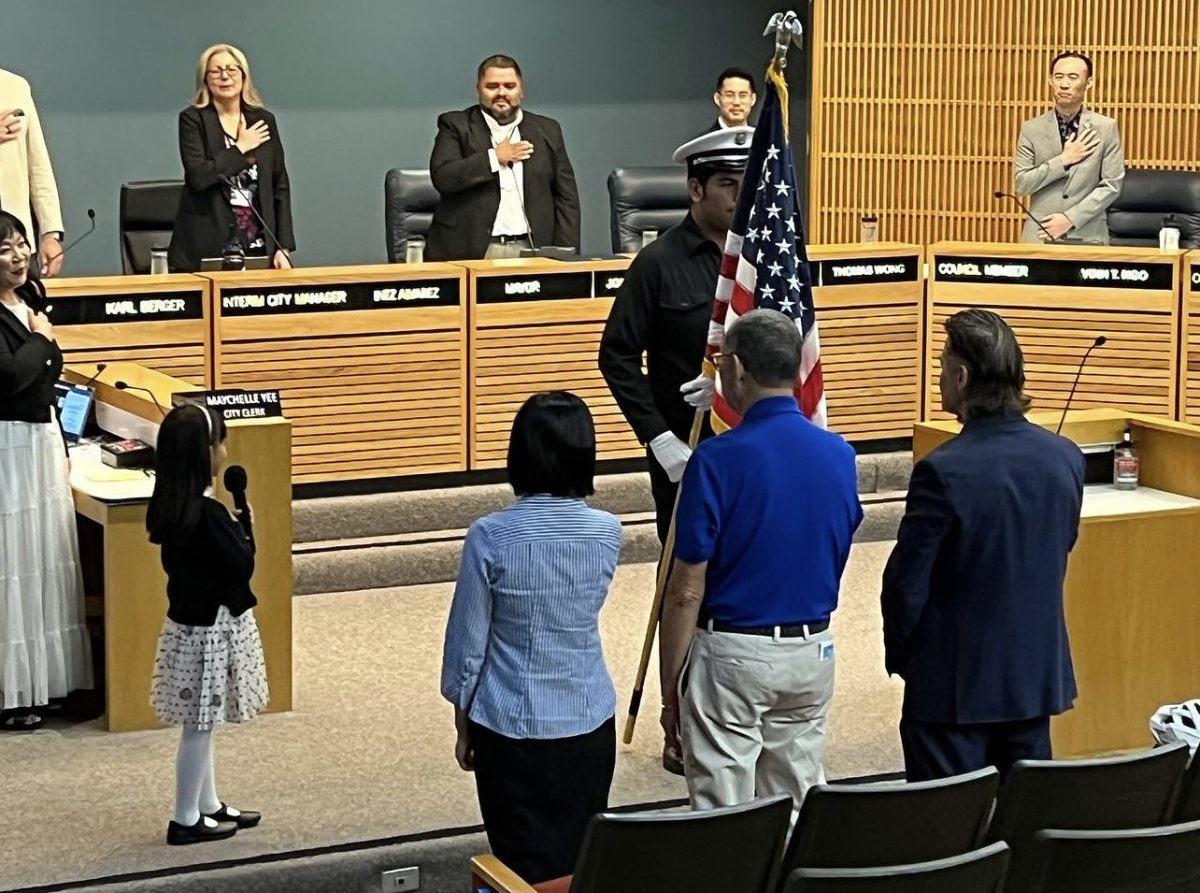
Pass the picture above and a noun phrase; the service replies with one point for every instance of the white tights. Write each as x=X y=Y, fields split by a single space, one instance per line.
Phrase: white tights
x=195 y=787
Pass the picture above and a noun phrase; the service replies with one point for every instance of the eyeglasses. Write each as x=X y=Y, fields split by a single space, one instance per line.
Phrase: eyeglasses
x=230 y=71
x=728 y=94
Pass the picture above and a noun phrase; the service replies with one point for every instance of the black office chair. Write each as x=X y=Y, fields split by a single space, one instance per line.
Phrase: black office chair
x=1135 y=791
x=860 y=826
x=1187 y=803
x=1147 y=197
x=730 y=850
x=1162 y=860
x=980 y=871
x=147 y=219
x=409 y=201
x=642 y=198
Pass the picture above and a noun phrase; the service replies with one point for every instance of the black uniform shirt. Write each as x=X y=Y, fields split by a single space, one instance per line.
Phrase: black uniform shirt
x=663 y=310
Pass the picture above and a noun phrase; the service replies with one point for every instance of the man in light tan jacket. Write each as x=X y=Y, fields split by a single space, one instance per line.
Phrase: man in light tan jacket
x=27 y=186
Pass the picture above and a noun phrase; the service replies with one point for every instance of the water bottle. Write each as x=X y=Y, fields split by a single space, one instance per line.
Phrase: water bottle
x=869 y=229
x=1168 y=236
x=414 y=250
x=158 y=262
x=1125 y=464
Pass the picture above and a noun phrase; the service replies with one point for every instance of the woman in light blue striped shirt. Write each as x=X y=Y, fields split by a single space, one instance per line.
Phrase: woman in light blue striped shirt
x=523 y=664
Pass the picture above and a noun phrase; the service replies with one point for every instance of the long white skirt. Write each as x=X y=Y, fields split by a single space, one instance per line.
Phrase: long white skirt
x=45 y=651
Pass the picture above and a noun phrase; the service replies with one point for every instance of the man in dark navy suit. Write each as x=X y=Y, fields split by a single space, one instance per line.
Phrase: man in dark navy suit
x=973 y=592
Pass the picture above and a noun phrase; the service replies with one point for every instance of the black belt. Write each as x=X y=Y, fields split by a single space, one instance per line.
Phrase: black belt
x=786 y=630
x=508 y=240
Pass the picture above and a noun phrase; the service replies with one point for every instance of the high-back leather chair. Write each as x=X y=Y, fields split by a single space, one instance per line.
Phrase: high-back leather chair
x=147 y=219
x=642 y=198
x=1147 y=197
x=409 y=201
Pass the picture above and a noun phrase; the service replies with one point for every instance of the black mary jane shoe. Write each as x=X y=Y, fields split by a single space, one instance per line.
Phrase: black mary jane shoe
x=181 y=835
x=239 y=818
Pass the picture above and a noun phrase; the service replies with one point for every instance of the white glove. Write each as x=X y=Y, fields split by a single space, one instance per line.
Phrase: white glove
x=672 y=454
x=698 y=393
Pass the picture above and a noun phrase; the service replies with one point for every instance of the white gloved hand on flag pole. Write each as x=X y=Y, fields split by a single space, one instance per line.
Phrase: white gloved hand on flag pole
x=672 y=454
x=698 y=393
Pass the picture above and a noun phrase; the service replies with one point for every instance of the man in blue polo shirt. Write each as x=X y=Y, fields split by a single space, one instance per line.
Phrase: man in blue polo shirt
x=766 y=515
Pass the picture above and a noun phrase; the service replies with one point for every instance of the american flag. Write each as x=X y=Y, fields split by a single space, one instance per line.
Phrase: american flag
x=766 y=263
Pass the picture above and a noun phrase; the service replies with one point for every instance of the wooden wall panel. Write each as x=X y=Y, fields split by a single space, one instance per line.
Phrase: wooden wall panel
x=1189 y=350
x=917 y=105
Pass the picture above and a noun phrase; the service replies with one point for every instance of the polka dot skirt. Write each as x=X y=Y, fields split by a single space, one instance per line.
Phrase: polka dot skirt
x=205 y=675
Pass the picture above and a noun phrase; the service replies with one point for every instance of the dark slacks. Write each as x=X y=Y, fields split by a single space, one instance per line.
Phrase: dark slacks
x=537 y=796
x=939 y=750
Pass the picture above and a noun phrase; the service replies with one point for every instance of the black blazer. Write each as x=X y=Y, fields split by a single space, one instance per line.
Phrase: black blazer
x=29 y=364
x=973 y=592
x=209 y=567
x=470 y=192
x=205 y=220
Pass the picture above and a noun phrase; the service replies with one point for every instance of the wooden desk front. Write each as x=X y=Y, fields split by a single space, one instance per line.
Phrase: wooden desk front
x=1189 y=349
x=161 y=322
x=370 y=363
x=535 y=325
x=870 y=301
x=1058 y=298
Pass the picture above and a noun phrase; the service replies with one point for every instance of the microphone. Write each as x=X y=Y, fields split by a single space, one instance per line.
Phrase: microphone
x=232 y=183
x=235 y=482
x=126 y=386
x=91 y=213
x=100 y=367
x=1029 y=214
x=1100 y=341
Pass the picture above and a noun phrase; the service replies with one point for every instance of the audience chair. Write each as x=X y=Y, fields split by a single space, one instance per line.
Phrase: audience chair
x=1187 y=804
x=147 y=219
x=868 y=825
x=1149 y=196
x=409 y=201
x=981 y=871
x=1135 y=791
x=1163 y=860
x=730 y=850
x=642 y=198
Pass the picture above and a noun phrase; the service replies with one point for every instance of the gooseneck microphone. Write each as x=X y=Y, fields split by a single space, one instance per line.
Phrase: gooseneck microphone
x=1099 y=342
x=100 y=367
x=232 y=183
x=126 y=386
x=235 y=481
x=1024 y=210
x=91 y=213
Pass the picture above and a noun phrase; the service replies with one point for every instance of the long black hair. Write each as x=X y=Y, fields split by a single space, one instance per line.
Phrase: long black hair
x=183 y=470
x=32 y=292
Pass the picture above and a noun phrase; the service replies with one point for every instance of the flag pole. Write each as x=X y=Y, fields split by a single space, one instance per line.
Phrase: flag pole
x=787 y=30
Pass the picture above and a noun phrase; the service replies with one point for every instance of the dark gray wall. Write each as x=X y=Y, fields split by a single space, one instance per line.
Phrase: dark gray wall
x=357 y=86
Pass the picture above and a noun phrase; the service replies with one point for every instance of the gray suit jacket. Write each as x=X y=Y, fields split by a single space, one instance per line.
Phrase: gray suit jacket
x=1084 y=192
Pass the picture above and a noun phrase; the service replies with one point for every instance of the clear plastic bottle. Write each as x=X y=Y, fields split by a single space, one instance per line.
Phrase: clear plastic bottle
x=1125 y=464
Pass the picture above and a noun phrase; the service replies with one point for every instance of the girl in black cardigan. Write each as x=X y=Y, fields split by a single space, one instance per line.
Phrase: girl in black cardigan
x=210 y=667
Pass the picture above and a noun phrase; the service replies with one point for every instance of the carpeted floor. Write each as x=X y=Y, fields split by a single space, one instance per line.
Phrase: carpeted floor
x=368 y=751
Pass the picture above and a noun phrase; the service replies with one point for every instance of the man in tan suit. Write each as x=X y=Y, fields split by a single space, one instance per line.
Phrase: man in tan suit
x=1069 y=161
x=27 y=186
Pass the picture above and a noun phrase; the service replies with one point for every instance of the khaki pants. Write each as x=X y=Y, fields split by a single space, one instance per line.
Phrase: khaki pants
x=753 y=715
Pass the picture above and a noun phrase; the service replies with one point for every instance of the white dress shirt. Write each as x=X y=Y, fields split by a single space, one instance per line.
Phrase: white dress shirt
x=510 y=217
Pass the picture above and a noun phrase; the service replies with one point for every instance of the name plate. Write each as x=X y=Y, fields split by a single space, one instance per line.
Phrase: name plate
x=100 y=309
x=276 y=301
x=1041 y=271
x=1195 y=277
x=605 y=283
x=867 y=270
x=234 y=403
x=533 y=287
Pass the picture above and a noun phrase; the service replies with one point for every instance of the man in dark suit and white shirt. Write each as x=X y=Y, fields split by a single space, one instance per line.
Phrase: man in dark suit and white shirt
x=503 y=174
x=973 y=592
x=734 y=98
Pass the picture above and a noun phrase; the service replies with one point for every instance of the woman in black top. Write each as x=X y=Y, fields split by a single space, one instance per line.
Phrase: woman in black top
x=44 y=647
x=233 y=169
x=209 y=667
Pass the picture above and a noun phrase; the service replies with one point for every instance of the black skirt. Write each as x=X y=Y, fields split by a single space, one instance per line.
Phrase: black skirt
x=538 y=795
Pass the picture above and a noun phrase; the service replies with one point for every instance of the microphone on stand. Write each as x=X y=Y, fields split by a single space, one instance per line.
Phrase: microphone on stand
x=100 y=367
x=232 y=183
x=1099 y=342
x=1029 y=214
x=91 y=213
x=126 y=386
x=235 y=482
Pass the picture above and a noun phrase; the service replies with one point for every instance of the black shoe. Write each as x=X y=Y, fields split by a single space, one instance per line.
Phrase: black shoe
x=180 y=835
x=241 y=819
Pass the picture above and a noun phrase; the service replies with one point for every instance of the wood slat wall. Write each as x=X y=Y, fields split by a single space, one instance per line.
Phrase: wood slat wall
x=1189 y=359
x=917 y=105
